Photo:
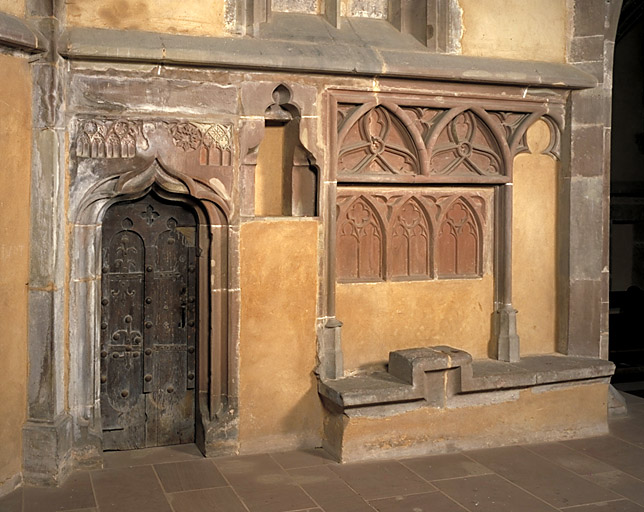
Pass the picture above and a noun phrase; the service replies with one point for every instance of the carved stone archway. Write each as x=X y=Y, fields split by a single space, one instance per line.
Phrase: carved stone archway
x=126 y=169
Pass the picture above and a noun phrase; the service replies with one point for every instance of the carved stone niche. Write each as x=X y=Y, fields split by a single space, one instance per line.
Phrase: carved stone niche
x=268 y=104
x=122 y=160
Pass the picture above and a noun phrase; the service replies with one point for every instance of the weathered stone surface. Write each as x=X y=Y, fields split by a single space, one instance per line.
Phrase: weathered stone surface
x=150 y=94
x=370 y=389
x=488 y=374
x=528 y=416
x=587 y=150
x=586 y=228
x=586 y=105
x=584 y=318
x=420 y=373
x=584 y=49
x=46 y=447
x=588 y=17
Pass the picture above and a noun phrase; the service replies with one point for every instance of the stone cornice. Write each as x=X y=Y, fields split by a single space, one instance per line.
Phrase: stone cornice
x=20 y=34
x=357 y=53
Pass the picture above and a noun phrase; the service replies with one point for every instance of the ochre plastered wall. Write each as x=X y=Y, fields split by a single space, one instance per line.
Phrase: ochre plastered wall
x=381 y=317
x=269 y=196
x=515 y=29
x=279 y=406
x=13 y=7
x=534 y=244
x=510 y=417
x=15 y=148
x=192 y=17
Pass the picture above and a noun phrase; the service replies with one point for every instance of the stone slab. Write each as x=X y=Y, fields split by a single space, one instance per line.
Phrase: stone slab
x=364 y=390
x=404 y=383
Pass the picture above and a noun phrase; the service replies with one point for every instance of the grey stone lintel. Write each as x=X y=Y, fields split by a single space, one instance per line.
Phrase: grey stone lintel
x=406 y=378
x=309 y=44
x=20 y=34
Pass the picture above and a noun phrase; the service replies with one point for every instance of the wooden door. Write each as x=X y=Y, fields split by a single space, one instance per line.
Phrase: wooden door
x=148 y=317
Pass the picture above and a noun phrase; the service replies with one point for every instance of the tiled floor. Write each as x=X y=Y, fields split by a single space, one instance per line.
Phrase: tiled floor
x=603 y=474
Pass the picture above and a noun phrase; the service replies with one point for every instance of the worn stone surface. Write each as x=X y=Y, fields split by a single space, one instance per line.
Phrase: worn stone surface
x=584 y=318
x=370 y=389
x=588 y=17
x=587 y=149
x=15 y=131
x=530 y=416
x=48 y=445
x=151 y=94
x=279 y=406
x=586 y=230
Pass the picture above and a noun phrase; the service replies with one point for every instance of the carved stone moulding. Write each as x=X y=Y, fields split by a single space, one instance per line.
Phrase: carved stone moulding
x=201 y=152
x=411 y=233
x=415 y=139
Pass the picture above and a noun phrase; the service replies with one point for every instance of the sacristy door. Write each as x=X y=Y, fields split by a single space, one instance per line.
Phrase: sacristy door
x=148 y=324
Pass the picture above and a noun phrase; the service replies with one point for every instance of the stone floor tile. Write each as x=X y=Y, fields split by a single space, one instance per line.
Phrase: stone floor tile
x=426 y=502
x=624 y=456
x=302 y=458
x=551 y=483
x=628 y=429
x=328 y=490
x=130 y=458
x=439 y=467
x=276 y=498
x=76 y=492
x=385 y=479
x=221 y=499
x=83 y=510
x=621 y=483
x=189 y=476
x=129 y=489
x=607 y=506
x=252 y=473
x=570 y=459
x=491 y=493
x=12 y=502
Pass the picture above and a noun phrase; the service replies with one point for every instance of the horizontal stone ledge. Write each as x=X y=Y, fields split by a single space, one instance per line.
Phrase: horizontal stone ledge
x=17 y=33
x=339 y=56
x=405 y=380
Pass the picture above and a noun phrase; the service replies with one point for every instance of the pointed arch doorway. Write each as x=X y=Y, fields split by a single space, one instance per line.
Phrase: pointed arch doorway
x=148 y=323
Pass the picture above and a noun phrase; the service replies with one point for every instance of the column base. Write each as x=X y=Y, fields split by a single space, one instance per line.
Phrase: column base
x=46 y=450
x=505 y=335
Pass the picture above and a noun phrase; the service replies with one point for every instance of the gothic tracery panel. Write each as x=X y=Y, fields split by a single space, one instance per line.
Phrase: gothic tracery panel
x=458 y=242
x=410 y=244
x=466 y=146
x=378 y=143
x=360 y=241
x=412 y=233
